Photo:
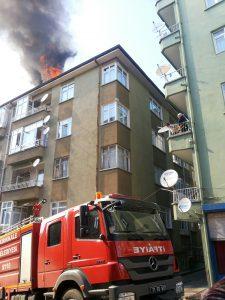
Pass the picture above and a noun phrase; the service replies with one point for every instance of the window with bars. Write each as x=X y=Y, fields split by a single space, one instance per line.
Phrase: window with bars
x=64 y=128
x=115 y=157
x=156 y=109
x=219 y=40
x=113 y=72
x=115 y=111
x=57 y=207
x=61 y=168
x=67 y=92
x=158 y=141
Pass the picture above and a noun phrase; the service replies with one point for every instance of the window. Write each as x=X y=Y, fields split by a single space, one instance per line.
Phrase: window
x=210 y=3
x=57 y=207
x=223 y=90
x=158 y=141
x=158 y=172
x=54 y=234
x=156 y=109
x=167 y=218
x=93 y=231
x=115 y=157
x=40 y=178
x=219 y=40
x=3 y=117
x=64 y=128
x=115 y=111
x=184 y=226
x=61 y=168
x=178 y=161
x=67 y=92
x=21 y=108
x=6 y=211
x=114 y=72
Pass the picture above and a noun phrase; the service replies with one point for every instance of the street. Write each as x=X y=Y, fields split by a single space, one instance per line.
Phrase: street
x=194 y=283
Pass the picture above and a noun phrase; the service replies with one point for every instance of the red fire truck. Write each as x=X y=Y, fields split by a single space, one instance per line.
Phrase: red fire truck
x=112 y=248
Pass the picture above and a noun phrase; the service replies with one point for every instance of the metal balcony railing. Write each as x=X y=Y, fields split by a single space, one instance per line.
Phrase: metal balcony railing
x=164 y=32
x=31 y=144
x=192 y=193
x=179 y=129
x=18 y=225
x=179 y=73
x=30 y=111
x=21 y=185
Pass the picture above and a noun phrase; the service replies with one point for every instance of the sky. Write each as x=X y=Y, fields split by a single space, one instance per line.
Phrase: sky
x=95 y=25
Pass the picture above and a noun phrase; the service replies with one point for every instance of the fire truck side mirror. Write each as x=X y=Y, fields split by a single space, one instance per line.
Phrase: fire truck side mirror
x=84 y=210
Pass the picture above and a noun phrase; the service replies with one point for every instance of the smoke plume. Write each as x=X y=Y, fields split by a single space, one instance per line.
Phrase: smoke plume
x=37 y=28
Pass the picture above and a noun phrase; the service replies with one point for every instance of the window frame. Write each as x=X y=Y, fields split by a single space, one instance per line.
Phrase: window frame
x=155 y=136
x=116 y=163
x=154 y=102
x=116 y=107
x=54 y=168
x=115 y=77
x=61 y=92
x=10 y=212
x=223 y=90
x=60 y=125
x=214 y=39
x=77 y=217
x=57 y=202
x=48 y=235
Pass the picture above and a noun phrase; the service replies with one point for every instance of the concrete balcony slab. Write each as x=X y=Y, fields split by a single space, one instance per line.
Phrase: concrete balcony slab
x=181 y=145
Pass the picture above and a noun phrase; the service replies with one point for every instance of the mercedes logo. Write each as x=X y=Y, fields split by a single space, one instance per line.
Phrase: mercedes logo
x=153 y=263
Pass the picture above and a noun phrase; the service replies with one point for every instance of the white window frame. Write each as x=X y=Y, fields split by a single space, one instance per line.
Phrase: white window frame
x=8 y=209
x=117 y=67
x=61 y=100
x=21 y=108
x=60 y=162
x=158 y=111
x=115 y=107
x=157 y=174
x=60 y=125
x=215 y=39
x=215 y=2
x=223 y=90
x=116 y=155
x=158 y=141
x=58 y=207
x=3 y=117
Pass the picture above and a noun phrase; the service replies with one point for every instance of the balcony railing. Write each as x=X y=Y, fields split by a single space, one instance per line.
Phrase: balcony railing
x=31 y=144
x=192 y=193
x=179 y=129
x=30 y=111
x=174 y=75
x=21 y=185
x=164 y=32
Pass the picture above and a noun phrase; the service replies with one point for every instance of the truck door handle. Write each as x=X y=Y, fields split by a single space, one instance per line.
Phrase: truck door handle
x=47 y=262
x=76 y=256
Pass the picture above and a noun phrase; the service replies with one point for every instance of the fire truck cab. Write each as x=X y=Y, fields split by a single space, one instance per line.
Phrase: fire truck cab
x=112 y=248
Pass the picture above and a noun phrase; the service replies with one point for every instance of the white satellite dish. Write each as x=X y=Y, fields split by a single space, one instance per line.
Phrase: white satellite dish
x=162 y=70
x=184 y=205
x=45 y=97
x=36 y=162
x=163 y=129
x=169 y=178
x=46 y=130
x=46 y=119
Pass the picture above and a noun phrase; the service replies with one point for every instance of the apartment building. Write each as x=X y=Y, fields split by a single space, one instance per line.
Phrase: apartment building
x=193 y=41
x=93 y=128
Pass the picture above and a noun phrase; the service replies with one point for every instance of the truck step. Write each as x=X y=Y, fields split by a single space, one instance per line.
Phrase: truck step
x=49 y=295
x=100 y=292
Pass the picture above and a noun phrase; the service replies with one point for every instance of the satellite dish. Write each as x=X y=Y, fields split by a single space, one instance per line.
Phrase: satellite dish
x=46 y=130
x=45 y=97
x=163 y=129
x=162 y=70
x=46 y=119
x=184 y=205
x=36 y=162
x=169 y=178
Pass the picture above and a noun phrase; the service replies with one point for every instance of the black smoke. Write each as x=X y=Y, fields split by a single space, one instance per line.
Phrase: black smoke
x=36 y=28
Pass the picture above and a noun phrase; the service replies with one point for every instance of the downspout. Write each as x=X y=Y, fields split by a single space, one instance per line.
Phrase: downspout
x=98 y=128
x=196 y=154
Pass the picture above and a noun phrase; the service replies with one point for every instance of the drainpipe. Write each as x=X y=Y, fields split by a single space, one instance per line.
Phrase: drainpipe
x=98 y=127
x=204 y=231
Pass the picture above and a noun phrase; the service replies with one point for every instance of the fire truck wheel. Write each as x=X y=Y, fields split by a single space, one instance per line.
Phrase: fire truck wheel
x=72 y=294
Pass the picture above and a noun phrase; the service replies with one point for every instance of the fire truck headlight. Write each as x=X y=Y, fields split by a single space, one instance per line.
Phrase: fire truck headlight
x=179 y=287
x=126 y=296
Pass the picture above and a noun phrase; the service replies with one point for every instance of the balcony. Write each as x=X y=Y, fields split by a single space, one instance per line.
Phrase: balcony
x=27 y=190
x=27 y=152
x=176 y=87
x=170 y=44
x=181 y=141
x=43 y=109
x=165 y=10
x=192 y=193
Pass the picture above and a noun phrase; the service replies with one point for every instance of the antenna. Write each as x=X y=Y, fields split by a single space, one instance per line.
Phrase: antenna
x=45 y=97
x=46 y=130
x=169 y=178
x=36 y=162
x=162 y=70
x=46 y=119
x=184 y=205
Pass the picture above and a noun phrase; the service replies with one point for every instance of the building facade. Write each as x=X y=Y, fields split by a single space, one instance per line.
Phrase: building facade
x=193 y=41
x=93 y=128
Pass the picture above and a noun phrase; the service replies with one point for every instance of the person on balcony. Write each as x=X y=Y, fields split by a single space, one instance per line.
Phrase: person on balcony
x=182 y=121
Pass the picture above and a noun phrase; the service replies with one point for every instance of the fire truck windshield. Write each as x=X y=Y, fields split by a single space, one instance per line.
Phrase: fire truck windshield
x=134 y=221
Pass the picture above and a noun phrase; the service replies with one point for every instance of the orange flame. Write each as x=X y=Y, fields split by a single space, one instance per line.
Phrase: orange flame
x=48 y=72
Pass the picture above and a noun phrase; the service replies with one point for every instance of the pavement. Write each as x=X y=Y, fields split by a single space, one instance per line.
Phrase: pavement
x=194 y=284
